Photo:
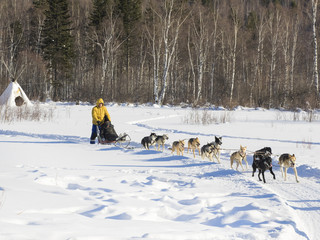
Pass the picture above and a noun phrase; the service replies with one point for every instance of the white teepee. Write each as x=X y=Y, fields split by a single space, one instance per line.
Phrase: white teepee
x=14 y=96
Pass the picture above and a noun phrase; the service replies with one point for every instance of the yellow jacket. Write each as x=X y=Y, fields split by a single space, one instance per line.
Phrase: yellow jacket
x=98 y=113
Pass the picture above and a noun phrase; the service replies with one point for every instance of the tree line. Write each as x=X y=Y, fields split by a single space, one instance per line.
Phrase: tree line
x=257 y=53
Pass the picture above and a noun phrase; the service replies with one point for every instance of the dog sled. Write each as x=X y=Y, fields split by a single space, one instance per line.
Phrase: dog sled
x=107 y=135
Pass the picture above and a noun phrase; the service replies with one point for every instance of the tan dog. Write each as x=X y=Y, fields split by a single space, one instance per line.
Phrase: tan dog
x=193 y=144
x=178 y=146
x=286 y=161
x=160 y=140
x=238 y=157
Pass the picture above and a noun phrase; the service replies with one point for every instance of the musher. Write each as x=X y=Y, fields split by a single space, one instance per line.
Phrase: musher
x=100 y=115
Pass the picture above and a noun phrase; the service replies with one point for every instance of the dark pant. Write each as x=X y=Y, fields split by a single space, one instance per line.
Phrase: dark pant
x=93 y=134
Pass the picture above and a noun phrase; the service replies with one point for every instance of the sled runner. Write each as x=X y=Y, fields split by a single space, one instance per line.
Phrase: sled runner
x=107 y=135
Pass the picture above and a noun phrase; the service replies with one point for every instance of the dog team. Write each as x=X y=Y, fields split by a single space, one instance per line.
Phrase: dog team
x=261 y=158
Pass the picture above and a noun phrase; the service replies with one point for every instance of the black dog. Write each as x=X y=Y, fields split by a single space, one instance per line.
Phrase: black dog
x=262 y=160
x=149 y=140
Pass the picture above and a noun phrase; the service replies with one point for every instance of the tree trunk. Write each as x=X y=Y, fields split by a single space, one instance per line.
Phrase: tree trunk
x=293 y=53
x=315 y=45
x=234 y=49
x=274 y=34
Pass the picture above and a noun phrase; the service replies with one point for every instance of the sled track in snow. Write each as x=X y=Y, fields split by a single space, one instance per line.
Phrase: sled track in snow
x=54 y=137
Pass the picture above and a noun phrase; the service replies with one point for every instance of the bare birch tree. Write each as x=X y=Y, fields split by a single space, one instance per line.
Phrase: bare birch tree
x=236 y=26
x=293 y=52
x=274 y=24
x=289 y=46
x=259 y=24
x=201 y=39
x=214 y=41
x=107 y=41
x=315 y=45
x=286 y=55
x=168 y=24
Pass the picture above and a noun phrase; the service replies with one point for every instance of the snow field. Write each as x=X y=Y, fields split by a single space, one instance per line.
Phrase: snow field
x=54 y=185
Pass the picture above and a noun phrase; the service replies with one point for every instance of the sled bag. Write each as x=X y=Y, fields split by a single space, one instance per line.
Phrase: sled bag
x=107 y=132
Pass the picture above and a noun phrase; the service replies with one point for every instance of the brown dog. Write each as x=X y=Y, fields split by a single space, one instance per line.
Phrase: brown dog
x=178 y=146
x=286 y=161
x=238 y=157
x=193 y=144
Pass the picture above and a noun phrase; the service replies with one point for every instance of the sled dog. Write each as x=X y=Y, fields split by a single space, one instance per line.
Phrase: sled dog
x=160 y=140
x=259 y=155
x=208 y=151
x=193 y=144
x=286 y=161
x=178 y=146
x=264 y=152
x=238 y=157
x=216 y=151
x=262 y=161
x=148 y=141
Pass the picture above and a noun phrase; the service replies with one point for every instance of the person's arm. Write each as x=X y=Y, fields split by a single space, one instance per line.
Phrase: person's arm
x=94 y=116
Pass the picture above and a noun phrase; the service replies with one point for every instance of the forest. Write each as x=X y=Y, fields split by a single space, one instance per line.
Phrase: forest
x=254 y=53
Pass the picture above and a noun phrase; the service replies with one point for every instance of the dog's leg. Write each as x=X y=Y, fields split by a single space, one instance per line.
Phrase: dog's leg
x=211 y=157
x=215 y=155
x=253 y=169
x=241 y=164
x=274 y=176
x=296 y=173
x=231 y=162
x=264 y=180
x=245 y=159
x=285 y=173
x=194 y=155
x=281 y=168
x=259 y=175
x=237 y=165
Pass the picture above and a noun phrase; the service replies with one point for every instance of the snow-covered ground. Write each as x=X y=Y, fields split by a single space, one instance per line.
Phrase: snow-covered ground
x=55 y=185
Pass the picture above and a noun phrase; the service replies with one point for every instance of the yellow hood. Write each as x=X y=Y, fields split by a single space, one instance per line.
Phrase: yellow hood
x=100 y=100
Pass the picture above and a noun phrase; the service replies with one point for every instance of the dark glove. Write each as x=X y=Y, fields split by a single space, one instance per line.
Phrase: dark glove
x=98 y=122
x=108 y=123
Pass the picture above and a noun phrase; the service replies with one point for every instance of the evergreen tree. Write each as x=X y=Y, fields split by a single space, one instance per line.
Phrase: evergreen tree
x=58 y=43
x=98 y=13
x=130 y=11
